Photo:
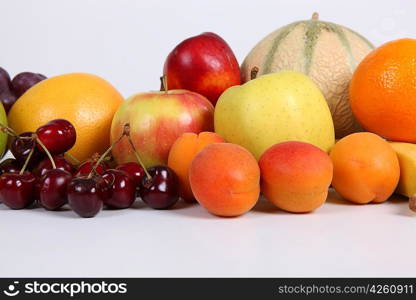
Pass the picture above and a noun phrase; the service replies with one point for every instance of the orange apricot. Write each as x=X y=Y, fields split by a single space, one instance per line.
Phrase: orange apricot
x=183 y=151
x=225 y=179
x=366 y=168
x=295 y=176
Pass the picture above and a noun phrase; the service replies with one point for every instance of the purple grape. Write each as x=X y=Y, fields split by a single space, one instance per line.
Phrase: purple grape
x=8 y=98
x=4 y=81
x=24 y=81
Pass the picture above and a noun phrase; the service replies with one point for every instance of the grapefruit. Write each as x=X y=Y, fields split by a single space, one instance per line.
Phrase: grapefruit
x=87 y=101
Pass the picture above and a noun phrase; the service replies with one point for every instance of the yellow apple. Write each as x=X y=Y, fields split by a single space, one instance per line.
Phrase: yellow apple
x=274 y=108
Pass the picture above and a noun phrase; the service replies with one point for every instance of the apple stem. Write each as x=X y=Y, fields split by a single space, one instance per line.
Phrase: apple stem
x=45 y=149
x=412 y=203
x=8 y=130
x=164 y=84
x=254 y=72
x=315 y=16
x=22 y=170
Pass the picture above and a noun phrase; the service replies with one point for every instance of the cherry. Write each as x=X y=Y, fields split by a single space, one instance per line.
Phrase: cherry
x=53 y=188
x=160 y=191
x=86 y=167
x=58 y=136
x=21 y=147
x=122 y=189
x=60 y=161
x=9 y=165
x=16 y=189
x=86 y=195
x=135 y=171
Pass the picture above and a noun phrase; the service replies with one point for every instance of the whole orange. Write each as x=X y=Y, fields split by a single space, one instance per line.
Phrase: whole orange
x=383 y=91
x=87 y=101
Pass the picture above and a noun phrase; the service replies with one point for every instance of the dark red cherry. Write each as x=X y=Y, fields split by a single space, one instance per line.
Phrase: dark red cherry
x=24 y=81
x=161 y=190
x=16 y=190
x=134 y=170
x=85 y=168
x=58 y=136
x=53 y=188
x=21 y=147
x=60 y=161
x=10 y=165
x=122 y=189
x=87 y=195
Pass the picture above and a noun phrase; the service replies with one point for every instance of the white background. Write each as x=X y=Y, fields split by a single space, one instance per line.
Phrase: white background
x=126 y=42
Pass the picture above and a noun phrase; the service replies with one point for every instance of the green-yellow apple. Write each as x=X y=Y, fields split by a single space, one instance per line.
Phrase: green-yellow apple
x=156 y=120
x=274 y=108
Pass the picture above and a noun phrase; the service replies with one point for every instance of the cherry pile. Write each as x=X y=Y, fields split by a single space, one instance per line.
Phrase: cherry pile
x=40 y=173
x=12 y=89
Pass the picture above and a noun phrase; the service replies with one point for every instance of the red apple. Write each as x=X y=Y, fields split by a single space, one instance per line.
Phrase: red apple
x=204 y=64
x=156 y=120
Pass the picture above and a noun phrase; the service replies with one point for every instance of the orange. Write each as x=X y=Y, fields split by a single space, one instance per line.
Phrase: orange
x=366 y=168
x=383 y=91
x=87 y=101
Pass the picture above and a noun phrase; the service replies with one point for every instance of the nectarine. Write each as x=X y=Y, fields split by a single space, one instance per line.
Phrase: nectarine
x=225 y=179
x=295 y=176
x=183 y=151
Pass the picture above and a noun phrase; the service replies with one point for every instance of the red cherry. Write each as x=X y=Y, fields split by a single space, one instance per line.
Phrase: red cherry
x=21 y=147
x=135 y=171
x=87 y=195
x=58 y=136
x=161 y=190
x=10 y=165
x=53 y=188
x=122 y=190
x=17 y=190
x=60 y=161
x=85 y=168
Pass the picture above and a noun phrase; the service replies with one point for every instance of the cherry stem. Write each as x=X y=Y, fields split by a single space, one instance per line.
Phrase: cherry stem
x=22 y=170
x=73 y=158
x=102 y=157
x=164 y=84
x=46 y=151
x=138 y=157
x=8 y=130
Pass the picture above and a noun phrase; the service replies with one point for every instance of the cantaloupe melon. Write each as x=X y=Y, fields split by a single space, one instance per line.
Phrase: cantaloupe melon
x=328 y=53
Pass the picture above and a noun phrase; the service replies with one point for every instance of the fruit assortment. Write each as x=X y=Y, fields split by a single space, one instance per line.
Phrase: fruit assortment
x=217 y=134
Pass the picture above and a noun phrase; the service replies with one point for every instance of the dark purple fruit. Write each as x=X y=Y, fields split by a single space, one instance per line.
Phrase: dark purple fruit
x=122 y=189
x=16 y=190
x=161 y=190
x=24 y=81
x=87 y=195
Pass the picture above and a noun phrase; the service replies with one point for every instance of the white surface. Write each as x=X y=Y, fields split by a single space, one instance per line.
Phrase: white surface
x=126 y=42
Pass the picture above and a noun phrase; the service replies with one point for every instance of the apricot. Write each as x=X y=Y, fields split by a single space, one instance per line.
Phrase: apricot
x=366 y=168
x=225 y=179
x=295 y=176
x=183 y=152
